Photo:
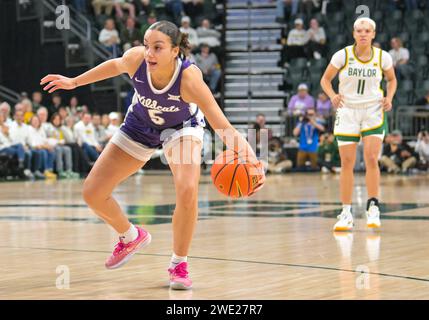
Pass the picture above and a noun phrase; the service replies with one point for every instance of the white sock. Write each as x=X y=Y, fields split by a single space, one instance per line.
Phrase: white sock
x=347 y=207
x=129 y=235
x=175 y=260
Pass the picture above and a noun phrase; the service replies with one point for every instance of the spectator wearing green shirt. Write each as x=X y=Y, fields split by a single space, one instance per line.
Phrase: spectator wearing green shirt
x=328 y=154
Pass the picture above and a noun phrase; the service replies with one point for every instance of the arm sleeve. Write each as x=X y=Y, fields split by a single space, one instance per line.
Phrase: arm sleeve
x=193 y=37
x=291 y=104
x=291 y=38
x=312 y=102
x=103 y=37
x=31 y=138
x=78 y=133
x=305 y=38
x=386 y=151
x=100 y=36
x=322 y=34
x=406 y=54
x=339 y=59
x=4 y=143
x=321 y=121
x=28 y=136
x=386 y=60
x=418 y=146
x=320 y=153
x=118 y=40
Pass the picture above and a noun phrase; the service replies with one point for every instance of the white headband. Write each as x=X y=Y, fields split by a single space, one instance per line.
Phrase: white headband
x=360 y=20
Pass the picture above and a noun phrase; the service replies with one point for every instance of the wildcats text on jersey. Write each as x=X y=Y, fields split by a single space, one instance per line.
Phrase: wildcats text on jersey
x=153 y=104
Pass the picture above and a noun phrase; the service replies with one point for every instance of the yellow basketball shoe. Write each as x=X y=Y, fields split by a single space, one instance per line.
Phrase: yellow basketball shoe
x=373 y=217
x=345 y=221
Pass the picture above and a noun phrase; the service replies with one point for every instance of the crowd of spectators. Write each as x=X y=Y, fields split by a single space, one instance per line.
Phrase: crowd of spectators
x=301 y=43
x=54 y=141
x=123 y=23
x=63 y=140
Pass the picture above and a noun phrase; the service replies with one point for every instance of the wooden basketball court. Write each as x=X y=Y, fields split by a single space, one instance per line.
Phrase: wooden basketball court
x=276 y=245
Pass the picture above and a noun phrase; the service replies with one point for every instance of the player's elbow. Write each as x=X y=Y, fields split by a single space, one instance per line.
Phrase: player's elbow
x=392 y=79
x=323 y=81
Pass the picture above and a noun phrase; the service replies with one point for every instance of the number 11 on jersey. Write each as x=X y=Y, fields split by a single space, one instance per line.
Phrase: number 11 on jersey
x=361 y=86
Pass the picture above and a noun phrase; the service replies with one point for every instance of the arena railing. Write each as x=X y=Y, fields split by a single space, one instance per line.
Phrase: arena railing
x=8 y=95
x=81 y=27
x=410 y=120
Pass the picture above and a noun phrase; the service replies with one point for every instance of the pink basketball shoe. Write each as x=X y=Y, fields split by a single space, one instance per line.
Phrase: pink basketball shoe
x=124 y=251
x=179 y=279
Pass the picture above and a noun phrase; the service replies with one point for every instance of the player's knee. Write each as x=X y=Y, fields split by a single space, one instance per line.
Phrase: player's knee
x=87 y=191
x=349 y=167
x=371 y=160
x=91 y=193
x=347 y=162
x=188 y=192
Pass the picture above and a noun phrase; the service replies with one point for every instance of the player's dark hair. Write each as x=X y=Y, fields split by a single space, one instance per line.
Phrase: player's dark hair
x=178 y=39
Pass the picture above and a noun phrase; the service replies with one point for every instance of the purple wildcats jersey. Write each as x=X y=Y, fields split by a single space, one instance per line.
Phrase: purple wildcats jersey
x=161 y=109
x=154 y=110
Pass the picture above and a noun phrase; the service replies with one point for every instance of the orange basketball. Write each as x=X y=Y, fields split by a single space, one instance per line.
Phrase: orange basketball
x=233 y=176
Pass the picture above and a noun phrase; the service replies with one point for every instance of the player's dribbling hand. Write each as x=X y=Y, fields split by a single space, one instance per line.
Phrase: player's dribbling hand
x=337 y=101
x=57 y=81
x=260 y=167
x=386 y=103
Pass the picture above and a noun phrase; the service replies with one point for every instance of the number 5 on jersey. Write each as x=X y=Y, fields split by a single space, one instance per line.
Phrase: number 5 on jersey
x=154 y=116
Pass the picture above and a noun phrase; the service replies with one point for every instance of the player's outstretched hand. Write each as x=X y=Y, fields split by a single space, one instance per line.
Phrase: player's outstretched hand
x=56 y=82
x=386 y=103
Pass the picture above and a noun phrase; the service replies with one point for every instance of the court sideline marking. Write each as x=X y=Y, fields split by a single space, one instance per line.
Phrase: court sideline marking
x=235 y=260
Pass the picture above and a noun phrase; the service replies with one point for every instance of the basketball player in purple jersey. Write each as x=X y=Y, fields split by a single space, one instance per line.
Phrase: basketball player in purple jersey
x=169 y=94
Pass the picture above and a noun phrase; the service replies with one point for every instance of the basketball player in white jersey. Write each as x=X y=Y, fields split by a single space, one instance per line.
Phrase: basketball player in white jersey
x=361 y=106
